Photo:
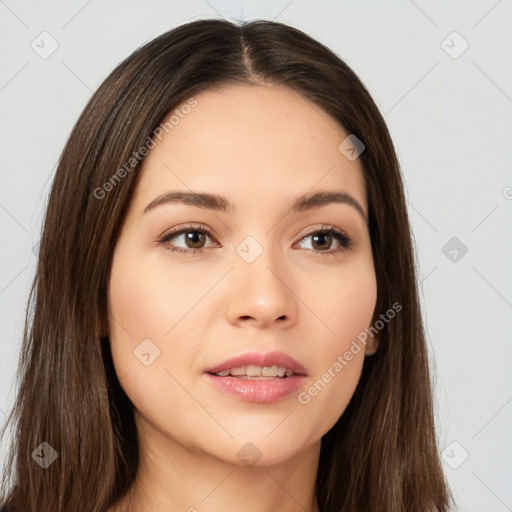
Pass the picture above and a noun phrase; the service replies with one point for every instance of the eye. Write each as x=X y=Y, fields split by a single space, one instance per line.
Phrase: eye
x=322 y=240
x=193 y=238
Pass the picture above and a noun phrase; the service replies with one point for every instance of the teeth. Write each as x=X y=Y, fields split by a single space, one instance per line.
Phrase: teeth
x=253 y=371
x=269 y=371
x=257 y=371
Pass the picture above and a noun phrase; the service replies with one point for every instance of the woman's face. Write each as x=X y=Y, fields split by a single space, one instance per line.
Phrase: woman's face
x=244 y=274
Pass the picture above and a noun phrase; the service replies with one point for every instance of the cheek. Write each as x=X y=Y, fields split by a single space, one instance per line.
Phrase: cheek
x=351 y=307
x=155 y=322
x=344 y=302
x=140 y=314
x=149 y=299
x=346 y=307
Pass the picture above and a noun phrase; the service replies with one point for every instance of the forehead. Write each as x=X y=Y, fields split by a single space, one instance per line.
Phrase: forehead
x=258 y=141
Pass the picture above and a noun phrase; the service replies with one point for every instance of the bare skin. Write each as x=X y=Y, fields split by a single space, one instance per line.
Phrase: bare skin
x=260 y=147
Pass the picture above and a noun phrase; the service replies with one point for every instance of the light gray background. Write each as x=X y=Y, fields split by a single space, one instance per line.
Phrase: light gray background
x=450 y=119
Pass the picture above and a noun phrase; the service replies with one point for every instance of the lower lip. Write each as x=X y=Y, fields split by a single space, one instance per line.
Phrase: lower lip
x=261 y=391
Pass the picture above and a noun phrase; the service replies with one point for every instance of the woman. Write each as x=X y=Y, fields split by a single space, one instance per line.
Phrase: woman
x=225 y=314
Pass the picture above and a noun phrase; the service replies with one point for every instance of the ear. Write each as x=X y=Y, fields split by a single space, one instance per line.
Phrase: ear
x=372 y=345
x=373 y=339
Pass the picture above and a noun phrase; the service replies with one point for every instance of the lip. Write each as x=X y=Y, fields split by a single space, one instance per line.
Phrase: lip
x=258 y=359
x=264 y=390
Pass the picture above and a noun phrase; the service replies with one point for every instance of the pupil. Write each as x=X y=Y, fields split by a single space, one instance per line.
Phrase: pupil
x=325 y=237
x=194 y=237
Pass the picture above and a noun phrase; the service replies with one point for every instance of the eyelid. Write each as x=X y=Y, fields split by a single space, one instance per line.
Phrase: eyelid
x=179 y=230
x=316 y=228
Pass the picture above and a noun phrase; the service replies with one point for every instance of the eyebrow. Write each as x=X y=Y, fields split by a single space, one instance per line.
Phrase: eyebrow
x=221 y=204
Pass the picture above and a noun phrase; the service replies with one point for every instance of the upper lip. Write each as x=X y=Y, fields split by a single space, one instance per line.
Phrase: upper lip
x=257 y=359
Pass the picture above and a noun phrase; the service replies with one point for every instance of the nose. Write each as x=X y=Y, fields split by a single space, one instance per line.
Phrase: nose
x=261 y=293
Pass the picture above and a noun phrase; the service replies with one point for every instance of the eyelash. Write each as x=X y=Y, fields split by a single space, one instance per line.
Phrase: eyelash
x=344 y=240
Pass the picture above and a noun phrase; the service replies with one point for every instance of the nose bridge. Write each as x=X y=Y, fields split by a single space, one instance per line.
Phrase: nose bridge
x=261 y=283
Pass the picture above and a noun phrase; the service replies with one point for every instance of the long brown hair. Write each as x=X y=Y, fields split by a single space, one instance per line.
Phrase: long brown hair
x=382 y=453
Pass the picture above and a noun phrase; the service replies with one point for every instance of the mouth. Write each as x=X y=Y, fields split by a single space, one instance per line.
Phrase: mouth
x=259 y=372
x=260 y=378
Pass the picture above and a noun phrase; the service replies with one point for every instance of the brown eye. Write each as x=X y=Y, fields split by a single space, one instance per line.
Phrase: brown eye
x=322 y=240
x=187 y=240
x=194 y=239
